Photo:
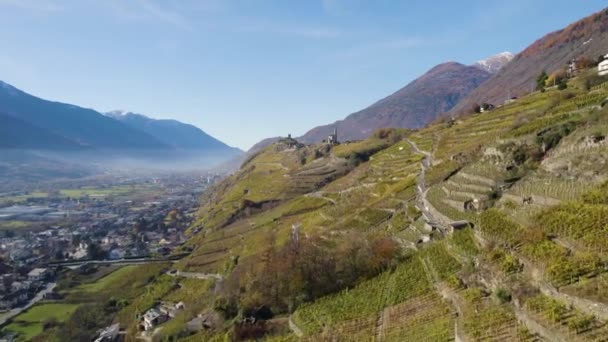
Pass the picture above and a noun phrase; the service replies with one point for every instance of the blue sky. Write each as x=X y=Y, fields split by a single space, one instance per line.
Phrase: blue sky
x=246 y=70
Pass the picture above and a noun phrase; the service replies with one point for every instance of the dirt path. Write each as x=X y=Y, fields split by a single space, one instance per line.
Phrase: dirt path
x=195 y=275
x=294 y=328
x=319 y=194
x=421 y=191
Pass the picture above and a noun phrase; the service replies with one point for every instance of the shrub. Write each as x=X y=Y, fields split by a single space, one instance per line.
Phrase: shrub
x=503 y=295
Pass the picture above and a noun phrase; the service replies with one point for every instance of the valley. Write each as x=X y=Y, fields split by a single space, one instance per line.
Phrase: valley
x=441 y=233
x=469 y=205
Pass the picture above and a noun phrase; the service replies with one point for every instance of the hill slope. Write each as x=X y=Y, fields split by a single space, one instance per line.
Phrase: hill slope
x=585 y=38
x=413 y=106
x=289 y=230
x=15 y=133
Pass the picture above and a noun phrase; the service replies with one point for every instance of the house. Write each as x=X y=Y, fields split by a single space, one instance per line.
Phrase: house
x=116 y=254
x=152 y=318
x=160 y=314
x=602 y=68
x=486 y=107
x=38 y=274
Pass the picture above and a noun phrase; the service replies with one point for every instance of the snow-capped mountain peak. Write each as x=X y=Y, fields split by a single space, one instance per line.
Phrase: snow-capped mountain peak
x=494 y=63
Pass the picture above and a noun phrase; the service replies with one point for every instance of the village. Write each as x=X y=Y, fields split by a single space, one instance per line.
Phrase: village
x=121 y=219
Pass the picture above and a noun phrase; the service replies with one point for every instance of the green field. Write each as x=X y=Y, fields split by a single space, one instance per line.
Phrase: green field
x=106 y=280
x=23 y=198
x=14 y=224
x=30 y=323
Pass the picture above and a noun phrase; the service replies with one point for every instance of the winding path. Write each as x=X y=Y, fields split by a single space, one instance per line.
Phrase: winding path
x=430 y=214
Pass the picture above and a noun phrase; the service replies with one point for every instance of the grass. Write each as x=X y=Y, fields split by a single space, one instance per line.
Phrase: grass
x=107 y=280
x=30 y=323
x=14 y=224
x=23 y=198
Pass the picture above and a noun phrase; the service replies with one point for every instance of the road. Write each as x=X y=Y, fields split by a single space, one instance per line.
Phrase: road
x=38 y=297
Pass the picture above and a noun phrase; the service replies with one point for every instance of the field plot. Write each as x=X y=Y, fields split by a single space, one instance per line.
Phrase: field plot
x=30 y=323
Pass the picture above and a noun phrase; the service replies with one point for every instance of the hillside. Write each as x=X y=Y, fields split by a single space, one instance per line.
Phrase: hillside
x=84 y=126
x=485 y=228
x=15 y=133
x=412 y=106
x=586 y=38
x=174 y=133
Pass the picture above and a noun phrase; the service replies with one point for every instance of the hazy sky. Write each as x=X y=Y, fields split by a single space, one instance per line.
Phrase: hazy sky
x=246 y=70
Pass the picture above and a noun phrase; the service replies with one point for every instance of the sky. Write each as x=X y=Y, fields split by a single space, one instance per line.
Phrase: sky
x=244 y=70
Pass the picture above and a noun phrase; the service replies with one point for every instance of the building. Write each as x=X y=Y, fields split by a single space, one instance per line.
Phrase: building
x=602 y=68
x=152 y=318
x=572 y=68
x=333 y=138
x=38 y=274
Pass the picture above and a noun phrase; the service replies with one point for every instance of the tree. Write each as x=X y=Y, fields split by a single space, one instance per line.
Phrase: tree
x=476 y=108
x=95 y=252
x=541 y=80
x=555 y=78
x=583 y=63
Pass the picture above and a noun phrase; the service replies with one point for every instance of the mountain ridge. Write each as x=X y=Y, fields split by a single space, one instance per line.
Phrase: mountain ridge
x=172 y=132
x=418 y=103
x=585 y=38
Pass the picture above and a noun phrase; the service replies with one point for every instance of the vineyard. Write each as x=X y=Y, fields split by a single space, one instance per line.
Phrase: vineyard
x=582 y=222
x=496 y=225
x=364 y=300
x=576 y=325
x=442 y=264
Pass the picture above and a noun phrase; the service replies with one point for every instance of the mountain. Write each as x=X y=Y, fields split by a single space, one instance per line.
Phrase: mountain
x=495 y=63
x=15 y=133
x=173 y=133
x=586 y=38
x=413 y=106
x=82 y=126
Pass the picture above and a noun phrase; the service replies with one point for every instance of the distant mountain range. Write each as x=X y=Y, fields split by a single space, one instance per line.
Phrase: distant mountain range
x=586 y=38
x=172 y=132
x=31 y=123
x=416 y=104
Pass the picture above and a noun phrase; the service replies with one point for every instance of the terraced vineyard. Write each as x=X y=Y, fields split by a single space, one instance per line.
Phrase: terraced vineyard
x=376 y=222
x=573 y=324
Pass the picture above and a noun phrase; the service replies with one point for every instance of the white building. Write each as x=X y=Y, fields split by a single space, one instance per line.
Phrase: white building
x=152 y=318
x=602 y=68
x=37 y=274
